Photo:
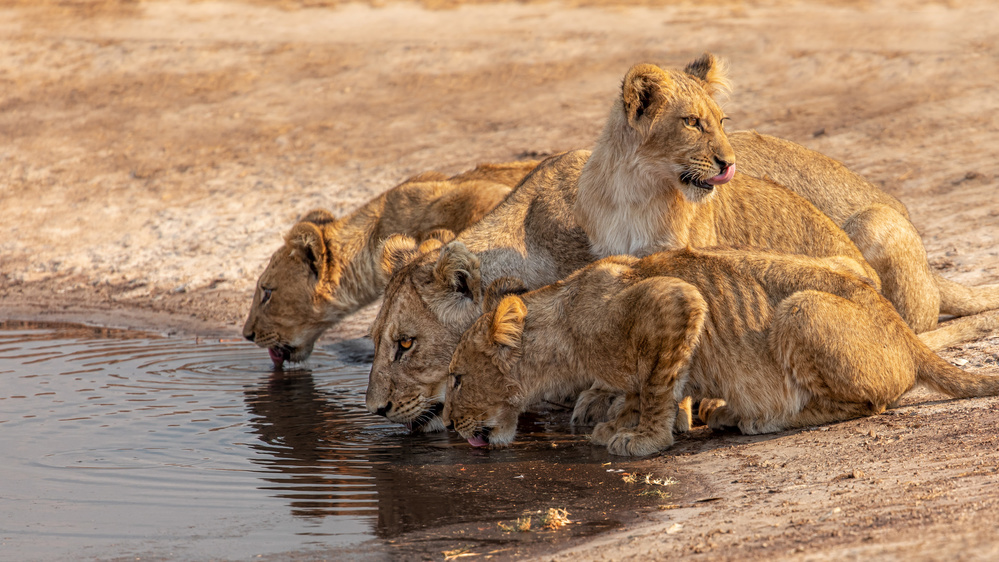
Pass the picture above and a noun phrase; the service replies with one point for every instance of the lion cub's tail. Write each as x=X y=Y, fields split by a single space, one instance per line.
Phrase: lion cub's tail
x=961 y=300
x=962 y=330
x=936 y=373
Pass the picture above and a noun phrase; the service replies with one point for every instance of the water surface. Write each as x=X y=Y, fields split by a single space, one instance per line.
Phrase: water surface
x=121 y=444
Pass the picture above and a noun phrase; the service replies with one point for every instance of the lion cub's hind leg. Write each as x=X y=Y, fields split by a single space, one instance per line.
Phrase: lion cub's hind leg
x=684 y=415
x=850 y=358
x=891 y=245
x=670 y=318
x=716 y=413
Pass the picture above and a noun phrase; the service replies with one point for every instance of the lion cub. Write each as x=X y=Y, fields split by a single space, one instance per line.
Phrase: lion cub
x=328 y=267
x=785 y=341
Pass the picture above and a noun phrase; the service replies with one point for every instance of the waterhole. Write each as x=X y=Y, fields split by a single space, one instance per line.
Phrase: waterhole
x=119 y=444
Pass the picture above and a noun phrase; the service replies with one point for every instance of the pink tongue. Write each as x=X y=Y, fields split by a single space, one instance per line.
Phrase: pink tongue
x=277 y=358
x=478 y=441
x=723 y=177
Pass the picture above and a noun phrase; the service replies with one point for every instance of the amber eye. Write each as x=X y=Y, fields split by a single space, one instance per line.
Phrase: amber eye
x=266 y=296
x=692 y=122
x=402 y=346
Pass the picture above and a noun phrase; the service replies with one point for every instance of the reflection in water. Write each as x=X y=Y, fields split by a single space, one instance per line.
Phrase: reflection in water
x=310 y=443
x=119 y=444
x=333 y=459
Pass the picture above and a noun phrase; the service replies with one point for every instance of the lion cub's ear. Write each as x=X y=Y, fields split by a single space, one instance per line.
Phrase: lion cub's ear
x=500 y=288
x=424 y=177
x=506 y=332
x=642 y=94
x=457 y=270
x=307 y=244
x=397 y=251
x=318 y=217
x=508 y=322
x=712 y=71
x=434 y=239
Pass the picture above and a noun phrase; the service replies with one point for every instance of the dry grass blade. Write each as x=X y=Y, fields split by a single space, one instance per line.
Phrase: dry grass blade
x=555 y=519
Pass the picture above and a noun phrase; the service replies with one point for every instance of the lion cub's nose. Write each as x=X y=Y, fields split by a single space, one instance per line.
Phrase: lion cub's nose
x=383 y=410
x=250 y=336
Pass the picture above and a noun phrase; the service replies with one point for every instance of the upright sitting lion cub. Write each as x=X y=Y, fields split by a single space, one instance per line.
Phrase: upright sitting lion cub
x=786 y=341
x=636 y=198
x=328 y=267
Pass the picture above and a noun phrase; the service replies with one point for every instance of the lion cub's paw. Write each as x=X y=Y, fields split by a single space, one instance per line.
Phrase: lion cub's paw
x=635 y=443
x=716 y=413
x=625 y=410
x=602 y=433
x=592 y=406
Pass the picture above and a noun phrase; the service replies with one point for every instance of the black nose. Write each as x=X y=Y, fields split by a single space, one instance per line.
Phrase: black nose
x=722 y=163
x=383 y=411
x=251 y=336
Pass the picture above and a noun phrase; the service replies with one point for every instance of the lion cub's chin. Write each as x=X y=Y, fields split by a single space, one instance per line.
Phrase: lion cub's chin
x=435 y=425
x=695 y=194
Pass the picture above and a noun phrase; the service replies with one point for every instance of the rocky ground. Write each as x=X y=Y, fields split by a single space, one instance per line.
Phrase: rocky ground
x=152 y=153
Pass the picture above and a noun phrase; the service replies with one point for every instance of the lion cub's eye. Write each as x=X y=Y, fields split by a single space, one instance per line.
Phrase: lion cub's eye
x=692 y=122
x=402 y=346
x=266 y=296
x=457 y=381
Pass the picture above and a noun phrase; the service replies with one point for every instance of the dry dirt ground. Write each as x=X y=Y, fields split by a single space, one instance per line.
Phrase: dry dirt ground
x=152 y=153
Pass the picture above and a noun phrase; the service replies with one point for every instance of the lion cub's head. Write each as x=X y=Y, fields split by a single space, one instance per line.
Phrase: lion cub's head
x=675 y=126
x=433 y=294
x=295 y=299
x=484 y=398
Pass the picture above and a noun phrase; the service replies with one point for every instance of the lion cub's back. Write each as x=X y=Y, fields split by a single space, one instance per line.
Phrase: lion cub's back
x=743 y=291
x=532 y=234
x=826 y=183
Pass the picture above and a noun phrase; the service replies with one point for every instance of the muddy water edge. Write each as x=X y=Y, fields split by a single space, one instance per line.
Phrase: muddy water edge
x=129 y=444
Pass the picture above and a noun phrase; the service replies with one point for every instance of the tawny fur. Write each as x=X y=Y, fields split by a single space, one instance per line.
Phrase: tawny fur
x=329 y=267
x=628 y=206
x=632 y=198
x=782 y=341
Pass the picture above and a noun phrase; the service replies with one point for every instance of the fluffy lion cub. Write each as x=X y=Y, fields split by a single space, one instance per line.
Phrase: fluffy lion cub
x=328 y=267
x=662 y=176
x=659 y=178
x=785 y=341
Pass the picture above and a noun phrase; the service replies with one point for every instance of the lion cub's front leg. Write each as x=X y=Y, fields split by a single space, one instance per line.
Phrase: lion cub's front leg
x=670 y=314
x=628 y=407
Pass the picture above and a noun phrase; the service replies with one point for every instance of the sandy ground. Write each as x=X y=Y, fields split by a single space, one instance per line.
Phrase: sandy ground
x=153 y=153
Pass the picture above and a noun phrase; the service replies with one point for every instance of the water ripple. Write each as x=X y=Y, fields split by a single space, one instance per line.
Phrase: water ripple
x=119 y=443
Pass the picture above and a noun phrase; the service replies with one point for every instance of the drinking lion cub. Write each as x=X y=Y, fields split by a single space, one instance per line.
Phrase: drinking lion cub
x=327 y=267
x=785 y=341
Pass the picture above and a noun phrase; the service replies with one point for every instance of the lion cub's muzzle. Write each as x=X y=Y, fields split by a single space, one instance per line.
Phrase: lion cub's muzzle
x=477 y=436
x=725 y=175
x=428 y=420
x=279 y=352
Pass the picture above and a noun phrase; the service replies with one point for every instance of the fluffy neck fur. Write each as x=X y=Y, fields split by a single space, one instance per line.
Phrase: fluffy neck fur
x=626 y=204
